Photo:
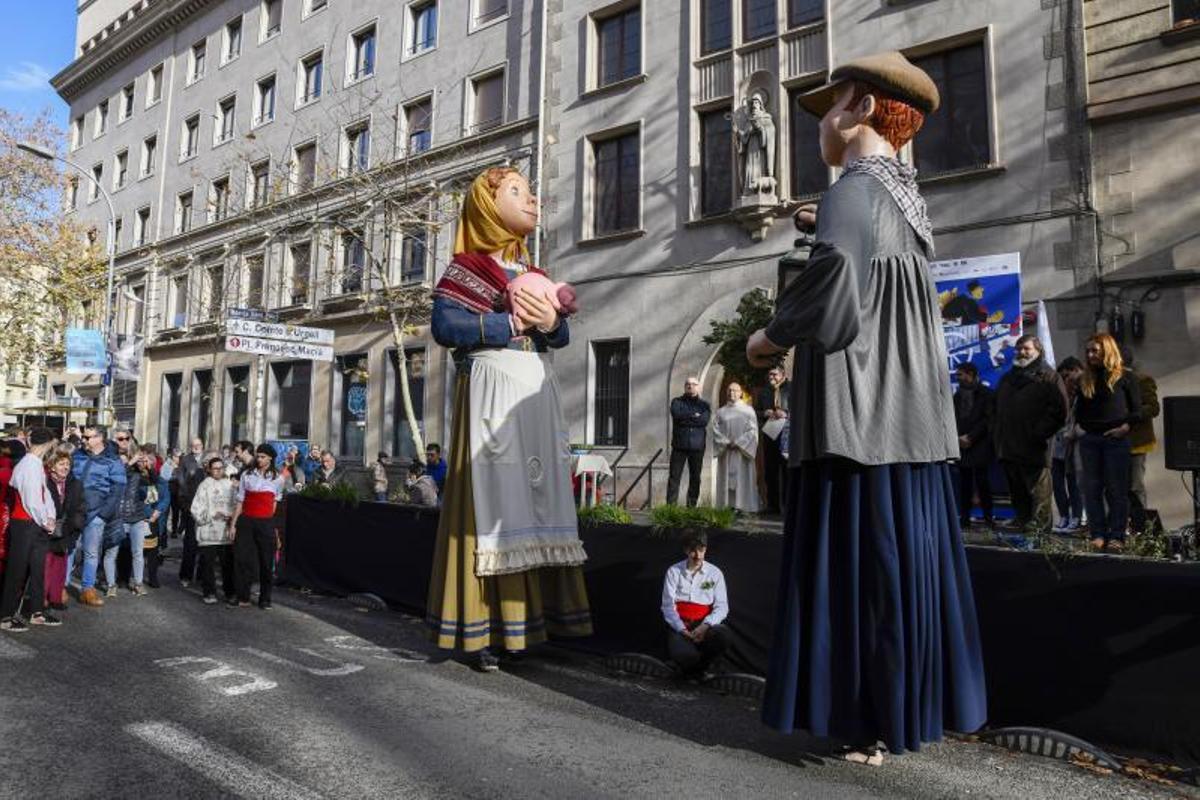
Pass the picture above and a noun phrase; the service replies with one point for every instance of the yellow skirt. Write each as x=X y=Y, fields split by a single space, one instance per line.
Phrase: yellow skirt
x=467 y=612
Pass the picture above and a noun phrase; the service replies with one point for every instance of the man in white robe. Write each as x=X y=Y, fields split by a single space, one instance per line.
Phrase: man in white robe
x=735 y=432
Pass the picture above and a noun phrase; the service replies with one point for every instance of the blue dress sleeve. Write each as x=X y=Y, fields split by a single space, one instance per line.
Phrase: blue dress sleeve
x=454 y=326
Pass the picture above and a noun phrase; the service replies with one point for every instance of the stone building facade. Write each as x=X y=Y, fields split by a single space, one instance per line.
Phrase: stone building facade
x=643 y=204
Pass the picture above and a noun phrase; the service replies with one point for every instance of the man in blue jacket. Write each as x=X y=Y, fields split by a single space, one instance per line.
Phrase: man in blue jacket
x=102 y=474
x=689 y=437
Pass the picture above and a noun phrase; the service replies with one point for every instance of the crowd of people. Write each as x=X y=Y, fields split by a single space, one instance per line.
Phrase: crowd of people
x=1077 y=433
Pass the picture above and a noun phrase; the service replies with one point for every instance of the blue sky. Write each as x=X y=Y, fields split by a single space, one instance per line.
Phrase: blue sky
x=36 y=41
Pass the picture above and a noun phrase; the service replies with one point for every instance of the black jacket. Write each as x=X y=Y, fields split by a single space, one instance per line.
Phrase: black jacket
x=188 y=475
x=1031 y=406
x=974 y=410
x=764 y=400
x=689 y=423
x=72 y=510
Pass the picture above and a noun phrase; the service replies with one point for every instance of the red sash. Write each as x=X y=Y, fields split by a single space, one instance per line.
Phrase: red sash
x=692 y=613
x=259 y=505
x=19 y=511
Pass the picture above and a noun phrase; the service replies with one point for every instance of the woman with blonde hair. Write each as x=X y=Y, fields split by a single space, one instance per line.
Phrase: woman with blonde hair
x=506 y=568
x=1107 y=406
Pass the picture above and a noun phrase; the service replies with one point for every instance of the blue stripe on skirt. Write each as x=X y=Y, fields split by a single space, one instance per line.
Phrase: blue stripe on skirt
x=876 y=637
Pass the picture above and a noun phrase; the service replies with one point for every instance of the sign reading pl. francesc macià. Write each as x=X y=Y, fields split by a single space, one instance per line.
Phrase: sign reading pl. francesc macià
x=277 y=348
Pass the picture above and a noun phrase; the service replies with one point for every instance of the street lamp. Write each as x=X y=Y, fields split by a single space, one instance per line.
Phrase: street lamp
x=48 y=155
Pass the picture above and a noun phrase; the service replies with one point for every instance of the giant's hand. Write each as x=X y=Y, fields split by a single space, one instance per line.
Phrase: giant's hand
x=805 y=218
x=761 y=351
x=533 y=311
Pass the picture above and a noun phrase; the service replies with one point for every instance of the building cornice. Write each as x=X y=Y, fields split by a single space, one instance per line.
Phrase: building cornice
x=145 y=23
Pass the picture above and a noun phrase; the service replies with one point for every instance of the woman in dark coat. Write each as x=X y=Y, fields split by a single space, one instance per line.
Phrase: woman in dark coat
x=71 y=512
x=974 y=409
x=876 y=638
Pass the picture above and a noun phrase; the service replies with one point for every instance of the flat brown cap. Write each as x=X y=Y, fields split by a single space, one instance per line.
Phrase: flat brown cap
x=890 y=72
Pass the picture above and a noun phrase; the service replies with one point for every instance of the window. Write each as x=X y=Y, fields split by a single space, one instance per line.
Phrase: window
x=802 y=12
x=226 y=114
x=362 y=53
x=354 y=261
x=172 y=410
x=72 y=193
x=292 y=384
x=422 y=21
x=196 y=65
x=137 y=307
x=216 y=290
x=402 y=440
x=611 y=399
x=118 y=225
x=94 y=187
x=351 y=372
x=311 y=69
x=1184 y=11
x=202 y=388
x=418 y=125
x=178 y=300
x=315 y=5
x=149 y=154
x=189 y=145
x=264 y=100
x=716 y=162
x=958 y=136
x=619 y=46
x=272 y=18
x=126 y=102
x=254 y=282
x=414 y=255
x=758 y=19
x=488 y=107
x=260 y=183
x=77 y=133
x=489 y=10
x=304 y=166
x=237 y=400
x=358 y=149
x=183 y=211
x=617 y=195
x=809 y=174
x=300 y=256
x=141 y=226
x=154 y=84
x=101 y=118
x=233 y=40
x=121 y=169
x=716 y=26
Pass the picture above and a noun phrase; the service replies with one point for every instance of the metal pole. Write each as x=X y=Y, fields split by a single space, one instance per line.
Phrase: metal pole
x=541 y=138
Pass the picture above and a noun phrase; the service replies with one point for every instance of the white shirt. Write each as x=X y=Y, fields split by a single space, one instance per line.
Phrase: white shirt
x=705 y=586
x=29 y=479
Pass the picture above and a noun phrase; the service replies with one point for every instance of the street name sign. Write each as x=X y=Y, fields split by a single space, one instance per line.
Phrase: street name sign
x=256 y=314
x=278 y=348
x=297 y=334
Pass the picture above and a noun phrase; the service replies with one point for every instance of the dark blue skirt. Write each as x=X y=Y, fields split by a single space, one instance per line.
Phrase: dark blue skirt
x=876 y=637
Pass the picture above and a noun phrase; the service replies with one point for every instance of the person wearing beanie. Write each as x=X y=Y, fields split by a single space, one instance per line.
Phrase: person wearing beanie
x=30 y=529
x=876 y=636
x=260 y=488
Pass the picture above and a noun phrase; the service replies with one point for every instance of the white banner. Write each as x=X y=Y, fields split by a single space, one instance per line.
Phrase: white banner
x=272 y=347
x=275 y=330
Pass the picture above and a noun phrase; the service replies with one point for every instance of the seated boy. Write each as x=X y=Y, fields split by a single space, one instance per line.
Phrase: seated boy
x=694 y=604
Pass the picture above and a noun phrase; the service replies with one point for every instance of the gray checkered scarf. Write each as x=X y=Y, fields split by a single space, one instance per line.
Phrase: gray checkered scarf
x=901 y=182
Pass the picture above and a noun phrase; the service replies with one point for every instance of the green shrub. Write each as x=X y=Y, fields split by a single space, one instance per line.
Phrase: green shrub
x=604 y=514
x=672 y=517
x=340 y=492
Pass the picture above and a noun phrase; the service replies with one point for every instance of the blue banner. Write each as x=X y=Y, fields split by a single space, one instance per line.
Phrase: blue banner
x=86 y=353
x=980 y=301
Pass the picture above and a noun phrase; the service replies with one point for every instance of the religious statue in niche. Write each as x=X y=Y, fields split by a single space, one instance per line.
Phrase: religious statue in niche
x=755 y=142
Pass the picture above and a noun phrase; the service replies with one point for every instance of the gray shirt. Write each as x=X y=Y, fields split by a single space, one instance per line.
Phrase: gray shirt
x=870 y=380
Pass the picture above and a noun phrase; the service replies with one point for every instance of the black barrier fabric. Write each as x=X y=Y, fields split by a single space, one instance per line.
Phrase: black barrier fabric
x=1104 y=648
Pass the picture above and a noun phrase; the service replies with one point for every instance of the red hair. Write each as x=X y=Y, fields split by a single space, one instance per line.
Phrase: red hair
x=894 y=120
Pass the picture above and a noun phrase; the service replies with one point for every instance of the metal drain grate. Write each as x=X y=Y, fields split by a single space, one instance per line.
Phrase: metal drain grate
x=1049 y=744
x=639 y=664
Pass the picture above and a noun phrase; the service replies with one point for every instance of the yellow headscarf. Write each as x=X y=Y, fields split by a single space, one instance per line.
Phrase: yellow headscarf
x=480 y=229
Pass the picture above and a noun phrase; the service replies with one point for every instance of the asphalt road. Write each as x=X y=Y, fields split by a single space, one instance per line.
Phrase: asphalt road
x=163 y=696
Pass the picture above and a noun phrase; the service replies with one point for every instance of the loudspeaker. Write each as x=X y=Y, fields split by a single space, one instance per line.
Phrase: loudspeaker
x=1181 y=432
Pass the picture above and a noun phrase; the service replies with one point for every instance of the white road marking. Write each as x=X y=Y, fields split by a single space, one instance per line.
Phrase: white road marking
x=347 y=642
x=342 y=668
x=227 y=769
x=220 y=670
x=13 y=651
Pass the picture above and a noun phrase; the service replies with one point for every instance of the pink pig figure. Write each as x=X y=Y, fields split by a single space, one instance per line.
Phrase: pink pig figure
x=560 y=295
